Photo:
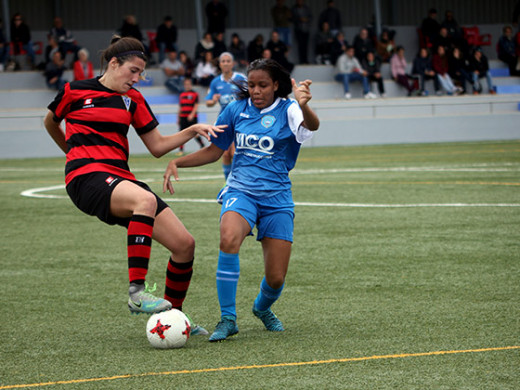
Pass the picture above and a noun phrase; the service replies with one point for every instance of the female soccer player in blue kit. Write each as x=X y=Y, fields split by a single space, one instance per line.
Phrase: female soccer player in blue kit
x=268 y=130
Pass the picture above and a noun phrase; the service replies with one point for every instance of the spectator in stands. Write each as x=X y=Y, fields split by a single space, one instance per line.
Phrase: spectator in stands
x=332 y=16
x=372 y=65
x=219 y=45
x=216 y=14
x=430 y=26
x=479 y=67
x=54 y=72
x=166 y=37
x=204 y=45
x=279 y=51
x=422 y=67
x=507 y=50
x=349 y=69
x=458 y=69
x=187 y=63
x=21 y=38
x=385 y=46
x=362 y=44
x=83 y=68
x=65 y=39
x=399 y=69
x=238 y=49
x=205 y=70
x=266 y=54
x=454 y=30
x=174 y=71
x=302 y=17
x=4 y=48
x=338 y=47
x=281 y=15
x=324 y=40
x=255 y=48
x=441 y=68
x=444 y=40
x=130 y=28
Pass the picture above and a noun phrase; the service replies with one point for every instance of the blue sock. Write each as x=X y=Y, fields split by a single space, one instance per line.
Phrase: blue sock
x=267 y=296
x=228 y=272
x=227 y=170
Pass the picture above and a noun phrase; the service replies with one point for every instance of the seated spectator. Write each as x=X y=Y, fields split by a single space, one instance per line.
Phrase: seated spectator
x=372 y=65
x=398 y=66
x=443 y=39
x=50 y=49
x=219 y=45
x=479 y=68
x=349 y=69
x=385 y=46
x=458 y=69
x=204 y=45
x=363 y=44
x=422 y=67
x=338 y=47
x=238 y=49
x=65 y=39
x=174 y=71
x=332 y=16
x=324 y=39
x=281 y=15
x=83 y=68
x=440 y=66
x=279 y=51
x=166 y=37
x=430 y=26
x=454 y=30
x=187 y=63
x=21 y=38
x=54 y=72
x=255 y=48
x=507 y=51
x=205 y=70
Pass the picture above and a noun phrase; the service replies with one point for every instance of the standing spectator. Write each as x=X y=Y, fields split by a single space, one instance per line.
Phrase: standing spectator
x=422 y=67
x=458 y=69
x=279 y=51
x=349 y=69
x=302 y=17
x=430 y=26
x=385 y=46
x=399 y=69
x=506 y=48
x=187 y=63
x=205 y=70
x=216 y=13
x=479 y=67
x=255 y=48
x=188 y=108
x=21 y=38
x=238 y=49
x=281 y=15
x=50 y=49
x=454 y=30
x=363 y=44
x=204 y=45
x=338 y=47
x=324 y=40
x=4 y=48
x=444 y=40
x=266 y=54
x=65 y=39
x=166 y=37
x=332 y=16
x=54 y=72
x=130 y=28
x=219 y=45
x=174 y=71
x=441 y=67
x=83 y=68
x=372 y=65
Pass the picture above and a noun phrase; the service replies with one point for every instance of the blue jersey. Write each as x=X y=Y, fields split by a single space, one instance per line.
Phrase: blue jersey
x=226 y=89
x=267 y=143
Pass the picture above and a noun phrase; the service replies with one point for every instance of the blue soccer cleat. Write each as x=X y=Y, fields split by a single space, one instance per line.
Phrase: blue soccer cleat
x=225 y=328
x=271 y=322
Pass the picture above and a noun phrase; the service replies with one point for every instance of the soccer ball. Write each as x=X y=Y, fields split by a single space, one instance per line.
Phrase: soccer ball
x=168 y=329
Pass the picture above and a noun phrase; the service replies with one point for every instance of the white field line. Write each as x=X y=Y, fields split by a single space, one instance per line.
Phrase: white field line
x=39 y=193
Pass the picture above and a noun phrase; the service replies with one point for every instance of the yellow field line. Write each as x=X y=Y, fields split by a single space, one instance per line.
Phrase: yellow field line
x=250 y=367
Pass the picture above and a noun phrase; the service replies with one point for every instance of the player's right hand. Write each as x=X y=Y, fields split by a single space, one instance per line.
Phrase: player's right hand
x=171 y=170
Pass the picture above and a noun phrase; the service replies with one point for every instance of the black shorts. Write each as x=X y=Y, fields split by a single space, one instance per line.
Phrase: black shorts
x=184 y=122
x=91 y=194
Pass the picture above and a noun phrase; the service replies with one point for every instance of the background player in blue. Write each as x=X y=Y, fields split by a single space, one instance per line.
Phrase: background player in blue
x=268 y=129
x=223 y=90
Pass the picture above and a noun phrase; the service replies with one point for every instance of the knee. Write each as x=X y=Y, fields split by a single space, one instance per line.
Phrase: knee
x=146 y=203
x=185 y=248
x=229 y=241
x=275 y=281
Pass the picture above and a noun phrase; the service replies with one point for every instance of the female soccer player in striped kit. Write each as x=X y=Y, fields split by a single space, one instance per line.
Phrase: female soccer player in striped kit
x=98 y=113
x=268 y=130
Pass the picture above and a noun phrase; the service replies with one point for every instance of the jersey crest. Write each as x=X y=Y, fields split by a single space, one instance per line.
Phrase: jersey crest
x=127 y=101
x=267 y=121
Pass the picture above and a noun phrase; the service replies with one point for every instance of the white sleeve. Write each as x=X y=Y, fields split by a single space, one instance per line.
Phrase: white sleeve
x=295 y=119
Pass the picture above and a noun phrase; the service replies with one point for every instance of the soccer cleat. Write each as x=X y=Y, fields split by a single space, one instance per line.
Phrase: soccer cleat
x=271 y=322
x=141 y=300
x=225 y=328
x=196 y=330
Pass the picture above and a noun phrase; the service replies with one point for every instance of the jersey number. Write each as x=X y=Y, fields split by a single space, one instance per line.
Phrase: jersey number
x=230 y=202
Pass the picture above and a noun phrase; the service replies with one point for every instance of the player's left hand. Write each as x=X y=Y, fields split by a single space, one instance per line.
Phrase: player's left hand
x=302 y=92
x=208 y=131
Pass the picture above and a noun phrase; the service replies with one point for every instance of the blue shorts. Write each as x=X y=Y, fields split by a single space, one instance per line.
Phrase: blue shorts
x=273 y=216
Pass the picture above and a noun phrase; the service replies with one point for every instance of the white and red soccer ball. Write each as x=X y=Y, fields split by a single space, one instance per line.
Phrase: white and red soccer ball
x=168 y=329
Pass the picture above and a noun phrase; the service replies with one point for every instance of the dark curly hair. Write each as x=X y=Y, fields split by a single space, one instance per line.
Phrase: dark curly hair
x=276 y=72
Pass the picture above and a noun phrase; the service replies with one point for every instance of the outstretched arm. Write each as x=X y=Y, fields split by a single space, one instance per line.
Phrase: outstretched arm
x=302 y=94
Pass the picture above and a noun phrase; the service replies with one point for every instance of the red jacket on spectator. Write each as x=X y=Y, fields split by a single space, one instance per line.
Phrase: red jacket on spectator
x=79 y=72
x=440 y=64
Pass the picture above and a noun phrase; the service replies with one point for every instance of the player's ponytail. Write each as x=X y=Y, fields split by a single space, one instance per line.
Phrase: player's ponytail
x=122 y=49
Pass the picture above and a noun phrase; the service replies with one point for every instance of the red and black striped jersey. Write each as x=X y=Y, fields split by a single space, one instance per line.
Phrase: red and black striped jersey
x=187 y=101
x=96 y=126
